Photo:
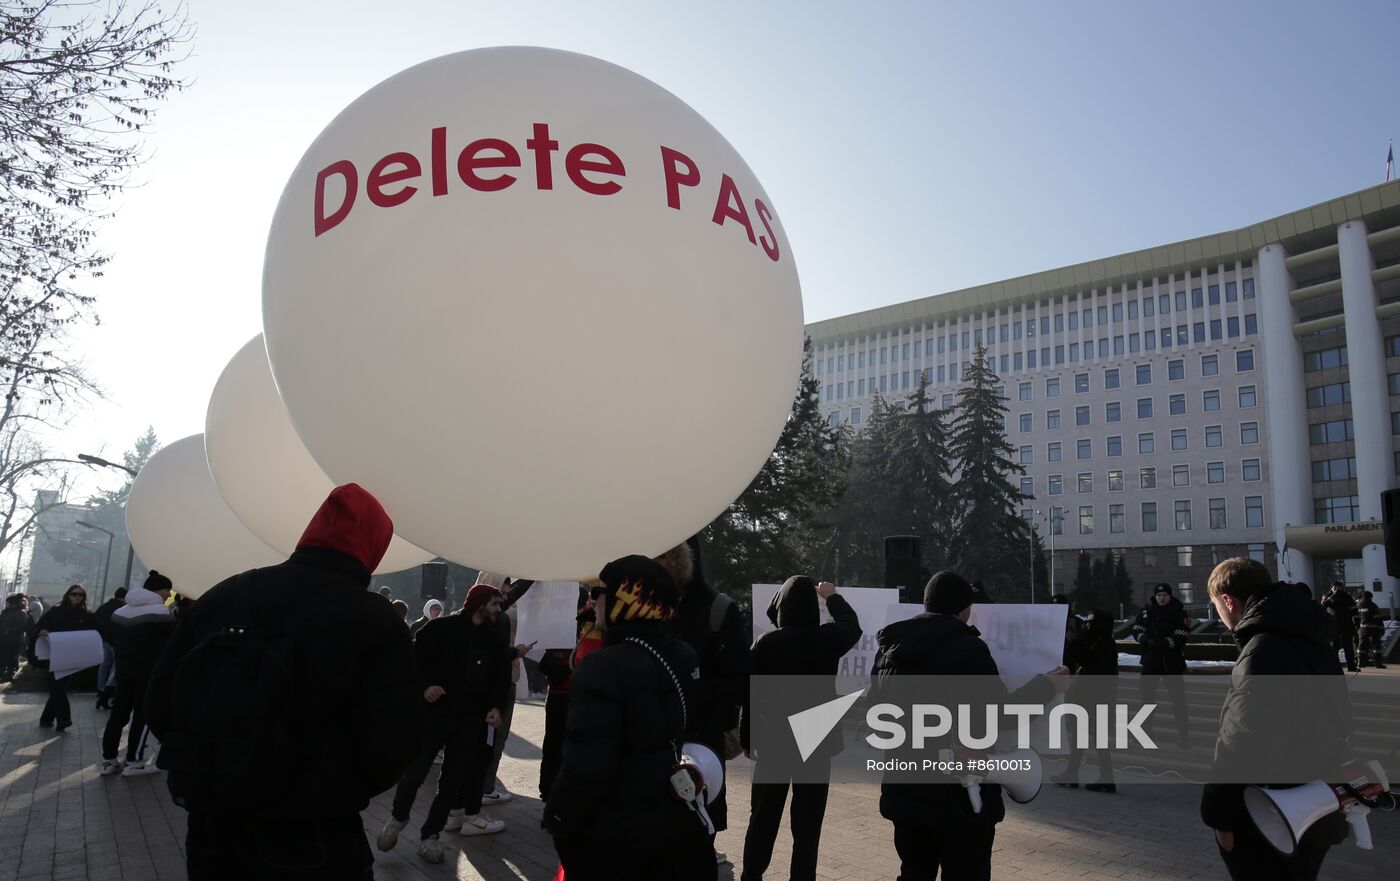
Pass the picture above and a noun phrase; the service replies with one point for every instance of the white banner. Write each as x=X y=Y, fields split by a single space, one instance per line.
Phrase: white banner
x=69 y=651
x=1025 y=639
x=547 y=616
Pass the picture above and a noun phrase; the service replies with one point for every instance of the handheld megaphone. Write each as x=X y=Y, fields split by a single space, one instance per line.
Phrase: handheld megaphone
x=1283 y=816
x=1019 y=774
x=711 y=769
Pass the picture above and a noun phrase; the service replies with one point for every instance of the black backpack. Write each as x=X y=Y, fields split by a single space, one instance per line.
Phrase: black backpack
x=232 y=743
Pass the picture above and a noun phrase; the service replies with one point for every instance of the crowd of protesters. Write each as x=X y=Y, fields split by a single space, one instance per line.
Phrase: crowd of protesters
x=287 y=697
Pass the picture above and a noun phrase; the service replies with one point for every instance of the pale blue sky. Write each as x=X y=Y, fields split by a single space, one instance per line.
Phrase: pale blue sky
x=910 y=148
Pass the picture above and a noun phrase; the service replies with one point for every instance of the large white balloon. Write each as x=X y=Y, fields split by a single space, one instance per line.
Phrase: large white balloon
x=179 y=523
x=261 y=467
x=537 y=304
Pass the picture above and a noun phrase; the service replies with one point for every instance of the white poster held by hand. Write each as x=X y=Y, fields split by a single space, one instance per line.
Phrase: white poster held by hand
x=871 y=605
x=547 y=616
x=69 y=651
x=1026 y=640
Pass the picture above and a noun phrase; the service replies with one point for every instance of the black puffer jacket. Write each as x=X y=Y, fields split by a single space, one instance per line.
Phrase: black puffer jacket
x=802 y=645
x=103 y=614
x=360 y=719
x=471 y=662
x=1162 y=632
x=60 y=617
x=1281 y=634
x=723 y=657
x=15 y=625
x=609 y=808
x=139 y=631
x=942 y=645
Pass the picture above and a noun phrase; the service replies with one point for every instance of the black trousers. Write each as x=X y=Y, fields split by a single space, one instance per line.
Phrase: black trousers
x=1345 y=641
x=556 y=715
x=233 y=848
x=808 y=809
x=962 y=850
x=455 y=739
x=131 y=703
x=1176 y=690
x=56 y=709
x=1369 y=644
x=9 y=661
x=1253 y=859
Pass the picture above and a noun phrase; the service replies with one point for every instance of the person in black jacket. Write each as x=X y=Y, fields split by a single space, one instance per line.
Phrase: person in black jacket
x=69 y=613
x=934 y=823
x=1094 y=662
x=1162 y=629
x=1340 y=608
x=358 y=710
x=611 y=811
x=1370 y=627
x=1282 y=639
x=138 y=632
x=106 y=674
x=15 y=625
x=463 y=677
x=801 y=646
x=714 y=626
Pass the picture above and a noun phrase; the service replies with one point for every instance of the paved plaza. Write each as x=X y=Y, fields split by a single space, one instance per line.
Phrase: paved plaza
x=60 y=820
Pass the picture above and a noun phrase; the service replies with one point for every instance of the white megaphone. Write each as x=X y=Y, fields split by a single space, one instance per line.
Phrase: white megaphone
x=1283 y=816
x=711 y=769
x=1019 y=774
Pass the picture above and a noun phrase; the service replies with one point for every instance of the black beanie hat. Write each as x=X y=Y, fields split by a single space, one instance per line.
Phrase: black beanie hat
x=155 y=582
x=639 y=589
x=1162 y=587
x=948 y=593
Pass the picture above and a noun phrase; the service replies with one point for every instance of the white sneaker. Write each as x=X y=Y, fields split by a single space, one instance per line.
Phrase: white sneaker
x=139 y=769
x=430 y=850
x=108 y=767
x=480 y=824
x=498 y=796
x=389 y=835
x=454 y=820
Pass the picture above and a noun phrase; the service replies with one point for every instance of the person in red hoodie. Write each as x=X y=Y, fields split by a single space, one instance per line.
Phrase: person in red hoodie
x=285 y=700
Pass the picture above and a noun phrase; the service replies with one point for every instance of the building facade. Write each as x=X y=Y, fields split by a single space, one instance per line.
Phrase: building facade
x=1223 y=396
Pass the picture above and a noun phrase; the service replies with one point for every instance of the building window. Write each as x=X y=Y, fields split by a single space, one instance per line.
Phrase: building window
x=1086 y=519
x=1256 y=552
x=1027 y=455
x=1115 y=481
x=1147 y=442
x=834 y=419
x=1181 y=475
x=1086 y=482
x=1329 y=395
x=1178 y=439
x=1144 y=374
x=1052 y=388
x=1334 y=432
x=1147 y=478
x=1183 y=515
x=1113 y=411
x=1217 y=513
x=1253 y=510
x=1149 y=516
x=1057 y=484
x=1115 y=445
x=947 y=402
x=855 y=416
x=1081 y=383
x=1026 y=421
x=1249 y=469
x=1081 y=415
x=1144 y=408
x=1176 y=405
x=1110 y=378
x=1215 y=472
x=1244 y=361
x=1085 y=448
x=1249 y=432
x=1334 y=469
x=1025 y=389
x=1211 y=400
x=1176 y=369
x=1325 y=359
x=1337 y=509
x=1210 y=365
x=1248 y=397
x=1052 y=419
x=1054 y=454
x=1215 y=437
x=1028 y=487
x=1149 y=555
x=1057 y=521
x=1115 y=518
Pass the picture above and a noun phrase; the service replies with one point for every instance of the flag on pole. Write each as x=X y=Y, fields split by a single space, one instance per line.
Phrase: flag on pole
x=1389 y=163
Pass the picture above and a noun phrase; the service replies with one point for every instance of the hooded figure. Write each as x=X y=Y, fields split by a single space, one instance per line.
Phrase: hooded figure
x=629 y=708
x=138 y=631
x=801 y=646
x=356 y=719
x=432 y=610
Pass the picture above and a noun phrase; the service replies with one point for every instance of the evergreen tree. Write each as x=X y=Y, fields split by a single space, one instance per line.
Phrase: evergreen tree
x=1041 y=566
x=865 y=513
x=987 y=528
x=1085 y=594
x=917 y=484
x=1122 y=586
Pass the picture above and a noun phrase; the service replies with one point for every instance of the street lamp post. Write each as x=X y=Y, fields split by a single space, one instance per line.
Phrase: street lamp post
x=130 y=549
x=107 y=563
